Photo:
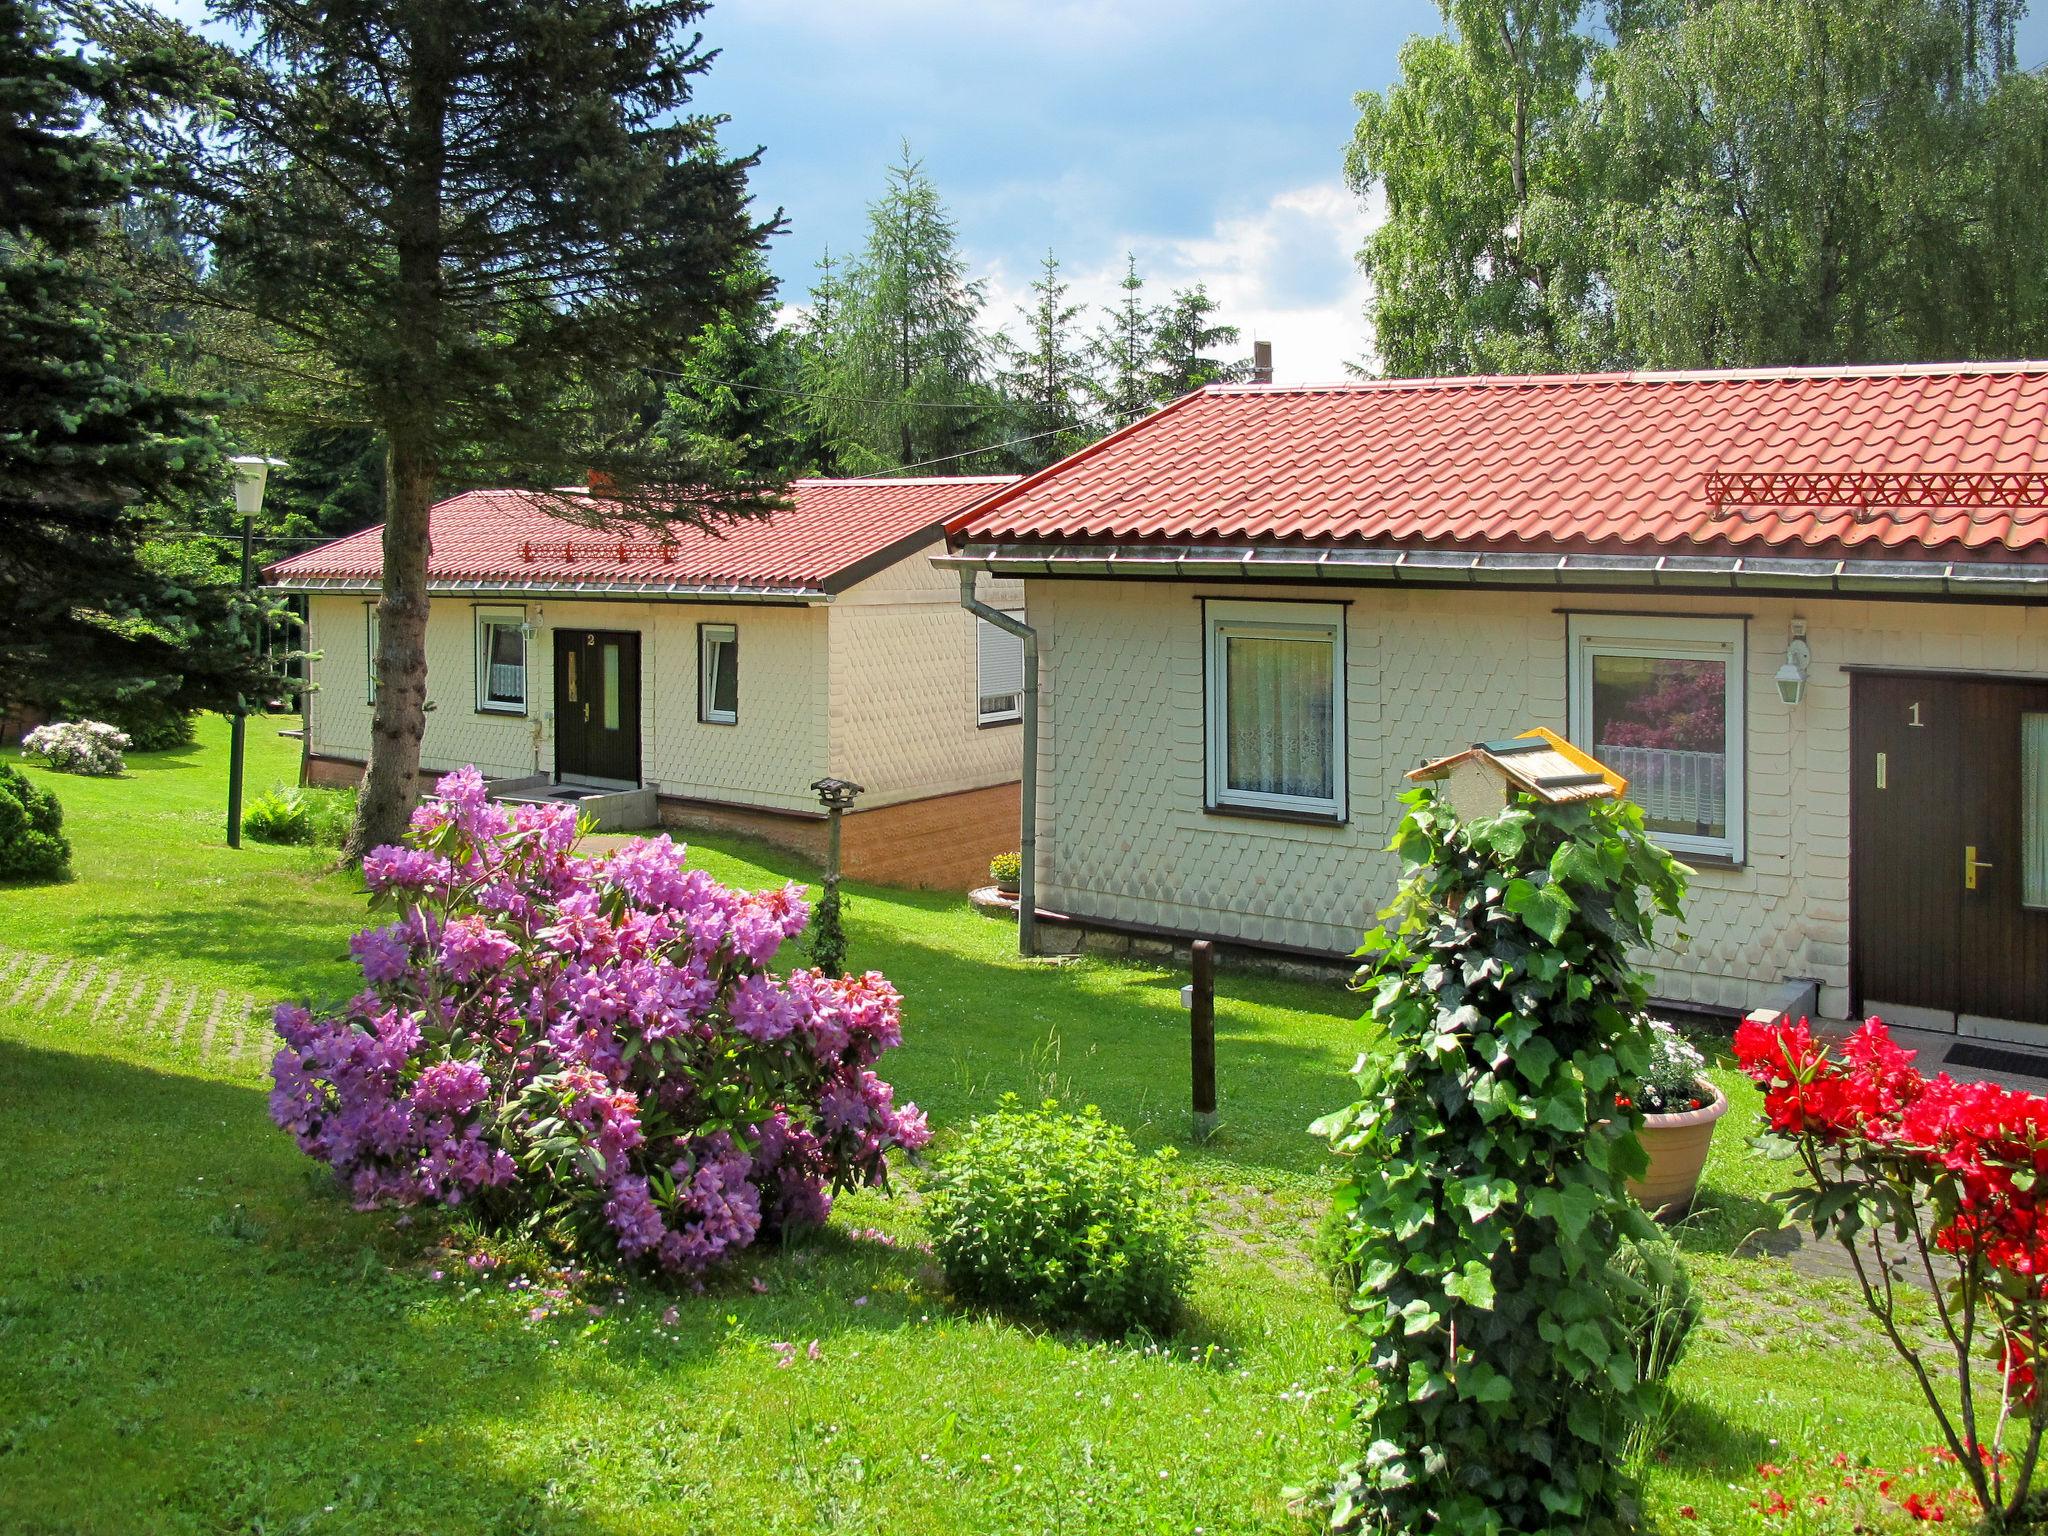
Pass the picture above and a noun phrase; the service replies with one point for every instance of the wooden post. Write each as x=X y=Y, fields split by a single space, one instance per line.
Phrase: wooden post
x=1202 y=1038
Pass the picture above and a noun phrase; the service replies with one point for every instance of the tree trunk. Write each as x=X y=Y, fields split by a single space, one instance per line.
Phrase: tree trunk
x=390 y=783
x=410 y=409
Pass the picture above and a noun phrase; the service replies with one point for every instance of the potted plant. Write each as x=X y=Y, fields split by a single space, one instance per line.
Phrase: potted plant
x=1680 y=1109
x=1005 y=869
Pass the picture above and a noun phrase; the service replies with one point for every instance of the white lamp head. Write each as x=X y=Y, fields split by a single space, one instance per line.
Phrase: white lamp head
x=1792 y=675
x=251 y=471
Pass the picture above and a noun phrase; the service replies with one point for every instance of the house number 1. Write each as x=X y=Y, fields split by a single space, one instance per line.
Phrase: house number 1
x=1913 y=714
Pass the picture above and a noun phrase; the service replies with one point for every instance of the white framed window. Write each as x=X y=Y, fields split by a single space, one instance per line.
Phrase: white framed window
x=501 y=661
x=1661 y=701
x=1275 y=707
x=998 y=674
x=370 y=653
x=718 y=674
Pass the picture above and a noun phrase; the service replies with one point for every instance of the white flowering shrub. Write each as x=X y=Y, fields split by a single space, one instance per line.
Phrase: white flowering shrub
x=78 y=746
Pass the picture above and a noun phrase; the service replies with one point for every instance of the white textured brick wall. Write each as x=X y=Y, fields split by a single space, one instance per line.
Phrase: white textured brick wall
x=1123 y=835
x=904 y=715
x=768 y=759
x=456 y=732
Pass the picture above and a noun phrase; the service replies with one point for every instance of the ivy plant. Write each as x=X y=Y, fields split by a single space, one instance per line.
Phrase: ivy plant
x=1485 y=1196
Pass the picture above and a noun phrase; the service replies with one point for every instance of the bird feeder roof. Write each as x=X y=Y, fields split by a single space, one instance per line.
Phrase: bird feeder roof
x=1539 y=763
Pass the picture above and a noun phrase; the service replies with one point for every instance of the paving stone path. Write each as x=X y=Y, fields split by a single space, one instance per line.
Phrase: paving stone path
x=219 y=1028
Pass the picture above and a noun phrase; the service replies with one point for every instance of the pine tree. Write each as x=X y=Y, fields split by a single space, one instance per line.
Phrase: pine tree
x=463 y=225
x=903 y=378
x=1123 y=350
x=1044 y=377
x=90 y=442
x=1185 y=339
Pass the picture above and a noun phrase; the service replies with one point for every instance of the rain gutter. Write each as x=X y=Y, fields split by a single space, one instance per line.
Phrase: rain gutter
x=1437 y=568
x=642 y=591
x=1027 y=840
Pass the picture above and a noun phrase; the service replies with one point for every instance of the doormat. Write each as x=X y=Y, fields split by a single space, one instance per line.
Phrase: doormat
x=1990 y=1058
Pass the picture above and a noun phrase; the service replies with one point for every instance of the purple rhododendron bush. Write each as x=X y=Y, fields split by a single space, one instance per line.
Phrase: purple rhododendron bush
x=595 y=1044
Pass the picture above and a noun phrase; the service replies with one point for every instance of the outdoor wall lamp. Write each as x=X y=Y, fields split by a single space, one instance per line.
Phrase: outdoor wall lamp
x=1798 y=656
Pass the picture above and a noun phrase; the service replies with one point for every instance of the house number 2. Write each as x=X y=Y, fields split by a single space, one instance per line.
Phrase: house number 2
x=1913 y=714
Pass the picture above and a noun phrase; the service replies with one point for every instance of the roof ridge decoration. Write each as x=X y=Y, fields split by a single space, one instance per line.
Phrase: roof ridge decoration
x=1859 y=491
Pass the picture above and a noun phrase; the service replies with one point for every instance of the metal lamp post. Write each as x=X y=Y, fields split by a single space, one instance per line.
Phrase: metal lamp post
x=837 y=796
x=251 y=472
x=829 y=948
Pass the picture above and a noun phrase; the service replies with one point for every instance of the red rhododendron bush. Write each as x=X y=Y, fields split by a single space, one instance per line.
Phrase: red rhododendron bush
x=595 y=1045
x=1944 y=1176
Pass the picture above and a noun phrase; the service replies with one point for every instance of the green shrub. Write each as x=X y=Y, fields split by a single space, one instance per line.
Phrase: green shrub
x=330 y=813
x=1654 y=1297
x=149 y=722
x=31 y=846
x=1056 y=1215
x=1006 y=868
x=315 y=817
x=1486 y=1199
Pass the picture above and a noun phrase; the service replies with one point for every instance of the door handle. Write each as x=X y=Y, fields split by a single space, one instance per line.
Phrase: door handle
x=1971 y=864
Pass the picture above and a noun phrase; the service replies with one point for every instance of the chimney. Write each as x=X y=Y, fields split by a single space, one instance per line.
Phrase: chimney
x=1262 y=362
x=598 y=482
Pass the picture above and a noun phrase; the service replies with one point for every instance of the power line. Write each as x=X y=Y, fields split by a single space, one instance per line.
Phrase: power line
x=261 y=538
x=799 y=394
x=971 y=453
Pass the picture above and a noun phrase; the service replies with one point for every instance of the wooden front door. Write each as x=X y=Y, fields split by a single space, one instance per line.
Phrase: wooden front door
x=597 y=706
x=1949 y=852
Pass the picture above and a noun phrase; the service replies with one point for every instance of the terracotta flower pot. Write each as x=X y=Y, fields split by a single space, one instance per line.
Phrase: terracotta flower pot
x=1677 y=1145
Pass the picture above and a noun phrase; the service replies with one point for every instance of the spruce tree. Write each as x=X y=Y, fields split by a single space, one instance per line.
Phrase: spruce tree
x=1186 y=338
x=1123 y=350
x=462 y=224
x=736 y=390
x=90 y=444
x=1044 y=377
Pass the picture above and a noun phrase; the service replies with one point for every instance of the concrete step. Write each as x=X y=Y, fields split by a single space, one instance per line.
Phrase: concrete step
x=614 y=810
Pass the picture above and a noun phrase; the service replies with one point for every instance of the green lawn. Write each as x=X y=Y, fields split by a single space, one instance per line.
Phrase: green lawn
x=196 y=1334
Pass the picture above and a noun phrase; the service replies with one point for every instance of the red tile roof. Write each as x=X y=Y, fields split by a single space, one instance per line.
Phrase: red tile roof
x=1594 y=463
x=823 y=541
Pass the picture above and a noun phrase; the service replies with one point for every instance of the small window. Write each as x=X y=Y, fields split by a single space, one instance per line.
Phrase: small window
x=998 y=673
x=1660 y=701
x=2034 y=809
x=370 y=652
x=1276 y=707
x=718 y=674
x=501 y=660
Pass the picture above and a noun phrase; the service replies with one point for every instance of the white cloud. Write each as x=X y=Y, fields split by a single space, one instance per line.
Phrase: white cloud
x=1285 y=272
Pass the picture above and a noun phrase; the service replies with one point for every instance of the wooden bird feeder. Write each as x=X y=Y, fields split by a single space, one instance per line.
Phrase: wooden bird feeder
x=1485 y=778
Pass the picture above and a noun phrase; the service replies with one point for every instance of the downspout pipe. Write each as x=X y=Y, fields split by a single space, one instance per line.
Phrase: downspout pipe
x=1027 y=841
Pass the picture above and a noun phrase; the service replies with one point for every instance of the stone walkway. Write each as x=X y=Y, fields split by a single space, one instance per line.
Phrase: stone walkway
x=1829 y=1261
x=218 y=1028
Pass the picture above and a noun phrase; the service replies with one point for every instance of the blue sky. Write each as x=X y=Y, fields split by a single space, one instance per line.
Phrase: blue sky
x=1205 y=137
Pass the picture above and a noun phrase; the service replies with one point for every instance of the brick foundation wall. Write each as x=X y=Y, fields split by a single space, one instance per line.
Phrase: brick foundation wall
x=801 y=835
x=943 y=842
x=332 y=772
x=940 y=843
